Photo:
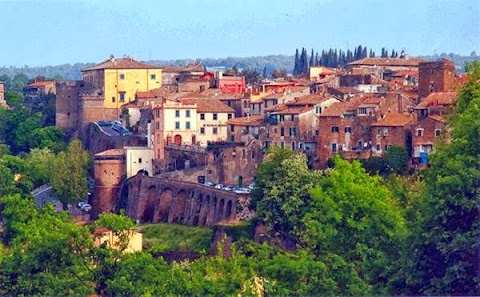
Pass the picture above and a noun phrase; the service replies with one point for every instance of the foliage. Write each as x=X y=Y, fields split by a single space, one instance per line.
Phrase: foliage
x=443 y=244
x=397 y=160
x=169 y=237
x=283 y=182
x=353 y=216
x=279 y=73
x=69 y=179
x=39 y=163
x=13 y=99
x=251 y=75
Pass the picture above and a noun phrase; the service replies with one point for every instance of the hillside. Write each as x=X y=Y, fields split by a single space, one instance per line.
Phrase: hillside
x=69 y=71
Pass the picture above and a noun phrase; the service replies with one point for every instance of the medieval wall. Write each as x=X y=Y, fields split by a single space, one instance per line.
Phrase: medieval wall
x=96 y=141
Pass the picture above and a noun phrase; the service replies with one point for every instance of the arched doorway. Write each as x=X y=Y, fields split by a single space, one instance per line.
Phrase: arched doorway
x=220 y=210
x=177 y=140
x=229 y=210
x=194 y=139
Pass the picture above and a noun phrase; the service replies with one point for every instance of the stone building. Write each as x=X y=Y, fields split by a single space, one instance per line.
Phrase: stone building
x=426 y=132
x=392 y=130
x=436 y=76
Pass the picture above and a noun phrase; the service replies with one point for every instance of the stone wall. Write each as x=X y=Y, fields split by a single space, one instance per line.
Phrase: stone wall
x=67 y=104
x=96 y=141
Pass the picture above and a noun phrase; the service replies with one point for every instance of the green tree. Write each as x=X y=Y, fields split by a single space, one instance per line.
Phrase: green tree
x=13 y=99
x=279 y=73
x=283 y=182
x=69 y=179
x=39 y=165
x=443 y=245
x=48 y=137
x=353 y=215
x=397 y=160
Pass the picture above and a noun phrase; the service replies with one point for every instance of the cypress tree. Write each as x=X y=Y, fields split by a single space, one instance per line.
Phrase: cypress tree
x=264 y=73
x=297 y=63
x=312 y=59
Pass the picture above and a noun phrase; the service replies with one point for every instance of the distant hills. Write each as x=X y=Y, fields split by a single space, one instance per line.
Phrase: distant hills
x=271 y=62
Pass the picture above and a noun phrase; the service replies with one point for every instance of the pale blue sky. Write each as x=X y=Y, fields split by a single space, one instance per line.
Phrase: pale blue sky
x=51 y=32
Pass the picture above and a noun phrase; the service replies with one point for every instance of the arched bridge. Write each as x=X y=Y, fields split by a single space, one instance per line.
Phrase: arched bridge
x=154 y=199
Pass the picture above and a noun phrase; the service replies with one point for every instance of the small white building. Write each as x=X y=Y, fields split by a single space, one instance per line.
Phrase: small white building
x=138 y=159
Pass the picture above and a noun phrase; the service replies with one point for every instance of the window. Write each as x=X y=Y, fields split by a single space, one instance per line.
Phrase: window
x=187 y=125
x=177 y=125
x=215 y=116
x=232 y=138
x=232 y=128
x=153 y=76
x=334 y=147
x=362 y=110
x=292 y=117
x=157 y=125
x=379 y=131
x=335 y=129
x=348 y=129
x=359 y=145
x=293 y=131
x=122 y=96
x=157 y=113
x=378 y=147
x=140 y=160
x=293 y=145
x=437 y=132
x=388 y=146
x=215 y=130
x=202 y=130
x=113 y=99
x=318 y=109
x=229 y=116
x=385 y=131
x=282 y=118
x=202 y=117
x=419 y=132
x=282 y=131
x=177 y=113
x=187 y=113
x=121 y=76
x=300 y=145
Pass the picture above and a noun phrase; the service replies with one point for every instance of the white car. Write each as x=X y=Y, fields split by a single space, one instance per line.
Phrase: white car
x=86 y=207
x=219 y=186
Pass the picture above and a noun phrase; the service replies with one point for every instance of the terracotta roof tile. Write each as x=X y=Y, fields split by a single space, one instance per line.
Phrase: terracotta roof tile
x=276 y=108
x=308 y=100
x=112 y=152
x=409 y=62
x=254 y=120
x=121 y=63
x=393 y=119
x=438 y=118
x=38 y=84
x=156 y=93
x=437 y=98
x=334 y=110
x=293 y=110
x=208 y=105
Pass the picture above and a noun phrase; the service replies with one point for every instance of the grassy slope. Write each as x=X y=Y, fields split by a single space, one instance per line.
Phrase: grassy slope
x=169 y=237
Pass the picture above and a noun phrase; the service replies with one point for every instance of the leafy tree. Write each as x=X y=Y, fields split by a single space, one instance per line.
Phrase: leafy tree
x=39 y=164
x=443 y=245
x=397 y=160
x=13 y=99
x=48 y=137
x=69 y=179
x=19 y=82
x=283 y=182
x=352 y=215
x=251 y=75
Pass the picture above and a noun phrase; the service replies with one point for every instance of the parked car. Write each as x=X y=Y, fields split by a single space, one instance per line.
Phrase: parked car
x=219 y=186
x=242 y=191
x=86 y=207
x=251 y=186
x=228 y=188
x=210 y=184
x=104 y=123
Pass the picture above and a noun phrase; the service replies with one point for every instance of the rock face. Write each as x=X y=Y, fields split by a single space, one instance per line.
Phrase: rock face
x=96 y=141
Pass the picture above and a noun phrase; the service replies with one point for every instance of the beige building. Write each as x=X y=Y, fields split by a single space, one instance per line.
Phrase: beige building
x=212 y=117
x=106 y=236
x=138 y=159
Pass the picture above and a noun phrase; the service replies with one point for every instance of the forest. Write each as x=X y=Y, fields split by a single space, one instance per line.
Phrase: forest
x=351 y=231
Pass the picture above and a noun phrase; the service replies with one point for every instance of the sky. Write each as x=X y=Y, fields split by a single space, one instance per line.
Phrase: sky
x=52 y=32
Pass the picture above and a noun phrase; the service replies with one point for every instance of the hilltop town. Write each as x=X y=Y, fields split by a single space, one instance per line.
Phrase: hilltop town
x=330 y=167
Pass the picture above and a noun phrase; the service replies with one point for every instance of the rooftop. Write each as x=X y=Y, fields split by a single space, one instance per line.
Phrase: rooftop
x=254 y=120
x=121 y=63
x=39 y=84
x=112 y=152
x=437 y=98
x=410 y=62
x=393 y=119
x=208 y=105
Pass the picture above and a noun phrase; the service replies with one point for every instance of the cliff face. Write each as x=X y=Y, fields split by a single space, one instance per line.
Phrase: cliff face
x=96 y=141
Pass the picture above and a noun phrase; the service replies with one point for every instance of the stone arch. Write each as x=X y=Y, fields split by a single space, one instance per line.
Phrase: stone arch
x=149 y=208
x=180 y=207
x=164 y=205
x=228 y=212
x=220 y=207
x=212 y=212
x=197 y=206
x=204 y=211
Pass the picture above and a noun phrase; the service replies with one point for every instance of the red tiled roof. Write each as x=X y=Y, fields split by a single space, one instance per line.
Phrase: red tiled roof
x=112 y=152
x=121 y=63
x=277 y=107
x=208 y=105
x=437 y=98
x=293 y=110
x=334 y=110
x=403 y=73
x=410 y=62
x=38 y=84
x=393 y=119
x=438 y=118
x=308 y=100
x=254 y=120
x=155 y=93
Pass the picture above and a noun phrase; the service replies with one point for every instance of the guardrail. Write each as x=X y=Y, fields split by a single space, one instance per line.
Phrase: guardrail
x=41 y=188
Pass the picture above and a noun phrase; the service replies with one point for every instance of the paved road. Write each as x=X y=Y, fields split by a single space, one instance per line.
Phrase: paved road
x=108 y=130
